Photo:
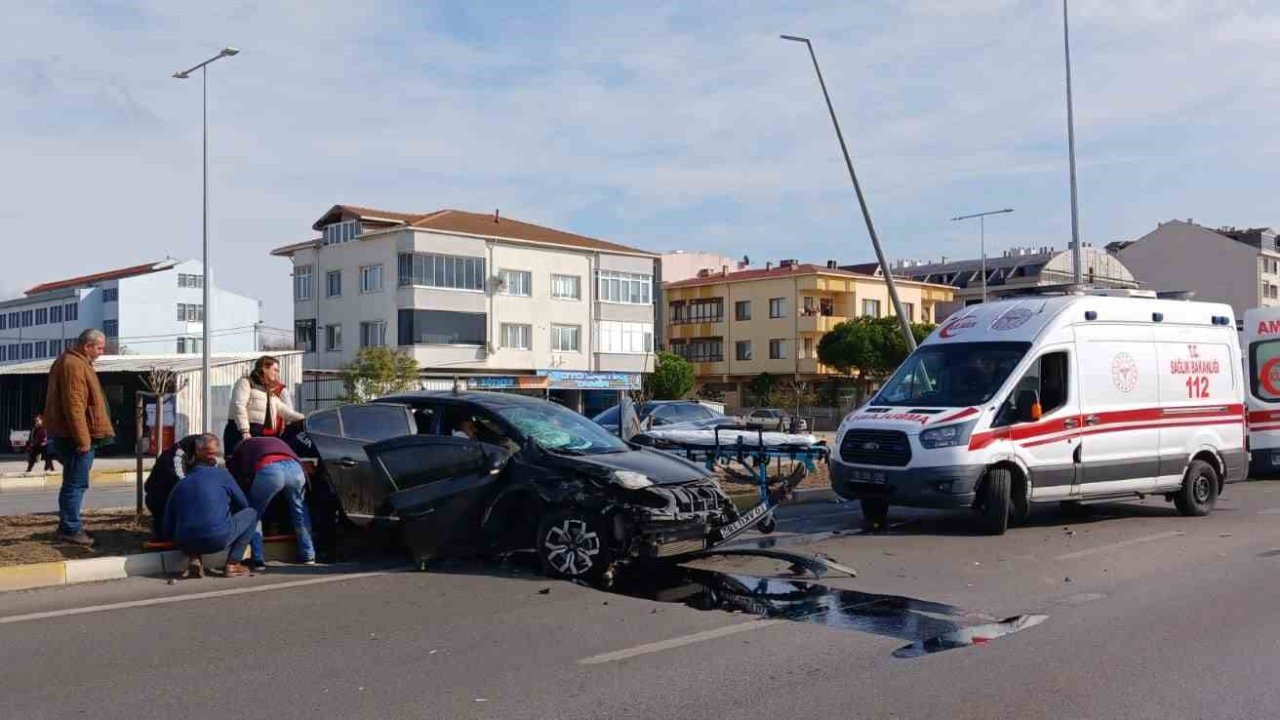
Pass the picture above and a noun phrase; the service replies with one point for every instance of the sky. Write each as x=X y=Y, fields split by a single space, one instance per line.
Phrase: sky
x=661 y=125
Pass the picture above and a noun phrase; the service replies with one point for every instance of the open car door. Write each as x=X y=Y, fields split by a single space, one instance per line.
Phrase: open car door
x=340 y=435
x=439 y=487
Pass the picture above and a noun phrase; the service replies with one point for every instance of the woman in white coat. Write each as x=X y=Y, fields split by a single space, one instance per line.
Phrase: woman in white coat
x=260 y=405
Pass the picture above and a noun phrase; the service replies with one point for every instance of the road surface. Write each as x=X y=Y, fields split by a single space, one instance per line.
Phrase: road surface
x=104 y=498
x=1145 y=615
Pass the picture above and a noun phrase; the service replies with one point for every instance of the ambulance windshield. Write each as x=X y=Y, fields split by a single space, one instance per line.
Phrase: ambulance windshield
x=952 y=375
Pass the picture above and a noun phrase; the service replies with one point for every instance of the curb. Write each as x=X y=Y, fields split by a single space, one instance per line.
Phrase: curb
x=117 y=567
x=37 y=483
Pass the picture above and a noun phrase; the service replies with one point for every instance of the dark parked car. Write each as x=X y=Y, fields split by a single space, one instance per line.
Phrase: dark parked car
x=656 y=413
x=475 y=472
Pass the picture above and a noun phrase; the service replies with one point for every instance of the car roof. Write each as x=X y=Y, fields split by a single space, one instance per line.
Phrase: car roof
x=489 y=400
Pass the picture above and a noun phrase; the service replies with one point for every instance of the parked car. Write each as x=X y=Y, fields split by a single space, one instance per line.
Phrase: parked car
x=660 y=412
x=488 y=473
x=775 y=419
x=18 y=440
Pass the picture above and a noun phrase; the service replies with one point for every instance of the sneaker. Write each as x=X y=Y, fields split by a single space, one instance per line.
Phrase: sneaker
x=195 y=569
x=257 y=565
x=81 y=538
x=309 y=561
x=235 y=569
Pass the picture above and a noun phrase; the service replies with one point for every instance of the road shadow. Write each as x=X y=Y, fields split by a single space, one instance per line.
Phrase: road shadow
x=963 y=523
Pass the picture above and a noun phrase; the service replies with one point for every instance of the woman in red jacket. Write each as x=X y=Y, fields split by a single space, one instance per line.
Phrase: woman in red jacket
x=38 y=446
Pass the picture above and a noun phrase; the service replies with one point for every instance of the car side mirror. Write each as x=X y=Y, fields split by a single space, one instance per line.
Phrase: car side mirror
x=1028 y=406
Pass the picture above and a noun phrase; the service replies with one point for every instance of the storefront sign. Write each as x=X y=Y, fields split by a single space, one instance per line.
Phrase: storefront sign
x=579 y=380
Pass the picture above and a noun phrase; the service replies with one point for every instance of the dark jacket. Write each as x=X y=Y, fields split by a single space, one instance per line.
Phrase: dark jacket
x=75 y=406
x=201 y=504
x=243 y=463
x=167 y=471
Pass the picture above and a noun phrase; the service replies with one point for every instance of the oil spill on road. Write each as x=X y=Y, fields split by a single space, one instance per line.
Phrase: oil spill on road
x=969 y=636
x=930 y=625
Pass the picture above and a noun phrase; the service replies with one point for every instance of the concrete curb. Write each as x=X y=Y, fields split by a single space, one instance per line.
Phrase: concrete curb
x=38 y=483
x=116 y=567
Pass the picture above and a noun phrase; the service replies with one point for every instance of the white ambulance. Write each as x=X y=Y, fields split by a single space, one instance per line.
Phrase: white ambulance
x=1054 y=399
x=1260 y=339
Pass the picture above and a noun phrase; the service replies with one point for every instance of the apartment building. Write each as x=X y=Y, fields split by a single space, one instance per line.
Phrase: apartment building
x=150 y=309
x=1231 y=265
x=735 y=325
x=480 y=299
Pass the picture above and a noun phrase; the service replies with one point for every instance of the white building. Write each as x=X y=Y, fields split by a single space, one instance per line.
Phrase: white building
x=1236 y=266
x=499 y=303
x=155 y=308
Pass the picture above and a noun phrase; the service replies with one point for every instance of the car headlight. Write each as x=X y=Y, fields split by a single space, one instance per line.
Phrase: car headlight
x=947 y=436
x=632 y=480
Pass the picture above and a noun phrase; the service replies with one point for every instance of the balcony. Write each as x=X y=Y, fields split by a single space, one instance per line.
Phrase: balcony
x=818 y=323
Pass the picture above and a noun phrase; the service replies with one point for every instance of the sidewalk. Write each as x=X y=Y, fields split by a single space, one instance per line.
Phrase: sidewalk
x=107 y=472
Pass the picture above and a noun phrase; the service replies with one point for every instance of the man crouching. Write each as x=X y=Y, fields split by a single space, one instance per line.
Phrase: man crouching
x=208 y=513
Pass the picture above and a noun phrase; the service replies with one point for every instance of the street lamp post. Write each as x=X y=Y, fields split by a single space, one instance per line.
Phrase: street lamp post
x=982 y=239
x=1077 y=255
x=205 y=392
x=903 y=320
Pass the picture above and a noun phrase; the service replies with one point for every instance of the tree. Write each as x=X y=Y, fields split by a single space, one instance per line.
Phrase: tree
x=378 y=371
x=762 y=387
x=672 y=378
x=868 y=348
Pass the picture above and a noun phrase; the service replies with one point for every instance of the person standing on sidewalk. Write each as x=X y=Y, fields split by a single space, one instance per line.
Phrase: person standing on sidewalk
x=208 y=513
x=267 y=465
x=78 y=423
x=38 y=446
x=260 y=405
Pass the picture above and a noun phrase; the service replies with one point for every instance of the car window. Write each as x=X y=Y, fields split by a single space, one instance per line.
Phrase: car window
x=663 y=414
x=687 y=413
x=559 y=429
x=608 y=417
x=424 y=418
x=414 y=465
x=1048 y=378
x=371 y=423
x=324 y=422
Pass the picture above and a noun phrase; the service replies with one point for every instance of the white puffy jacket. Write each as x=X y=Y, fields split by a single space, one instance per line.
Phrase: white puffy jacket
x=249 y=405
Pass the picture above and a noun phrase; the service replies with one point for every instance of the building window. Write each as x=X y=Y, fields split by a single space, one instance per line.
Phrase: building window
x=111 y=328
x=373 y=334
x=55 y=316
x=186 y=280
x=15 y=319
x=68 y=343
x=808 y=349
x=341 y=232
x=27 y=350
x=700 y=349
x=924 y=314
x=910 y=310
x=38 y=350
x=777 y=349
x=371 y=279
x=516 y=282
x=777 y=307
x=442 y=271
x=441 y=327
x=15 y=351
x=566 y=287
x=517 y=337
x=190 y=312
x=742 y=351
x=871 y=308
x=4 y=322
x=28 y=318
x=3 y=353
x=302 y=279
x=332 y=337
x=304 y=335
x=624 y=337
x=190 y=345
x=566 y=338
x=42 y=316
x=110 y=295
x=72 y=312
x=742 y=310
x=333 y=283
x=621 y=287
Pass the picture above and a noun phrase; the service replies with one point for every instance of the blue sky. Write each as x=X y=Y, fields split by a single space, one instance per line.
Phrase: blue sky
x=661 y=125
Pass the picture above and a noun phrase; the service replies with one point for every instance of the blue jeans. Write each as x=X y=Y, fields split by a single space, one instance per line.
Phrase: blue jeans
x=234 y=541
x=286 y=475
x=75 y=481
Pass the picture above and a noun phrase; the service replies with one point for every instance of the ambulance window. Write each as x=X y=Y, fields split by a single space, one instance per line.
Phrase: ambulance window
x=1048 y=378
x=1264 y=366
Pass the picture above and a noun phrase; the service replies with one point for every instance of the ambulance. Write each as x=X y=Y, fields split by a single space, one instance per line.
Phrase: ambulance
x=1260 y=340
x=1065 y=398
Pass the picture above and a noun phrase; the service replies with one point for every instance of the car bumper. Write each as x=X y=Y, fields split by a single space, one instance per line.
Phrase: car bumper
x=667 y=539
x=940 y=487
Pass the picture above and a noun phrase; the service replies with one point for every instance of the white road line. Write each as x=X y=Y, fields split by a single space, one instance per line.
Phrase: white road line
x=186 y=598
x=649 y=648
x=1117 y=545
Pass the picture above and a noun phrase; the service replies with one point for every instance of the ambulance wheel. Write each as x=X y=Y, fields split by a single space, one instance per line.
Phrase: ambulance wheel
x=994 y=503
x=1199 y=491
x=875 y=515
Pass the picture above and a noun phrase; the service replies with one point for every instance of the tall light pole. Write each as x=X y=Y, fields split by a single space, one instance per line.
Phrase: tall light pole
x=206 y=401
x=982 y=239
x=903 y=320
x=1077 y=255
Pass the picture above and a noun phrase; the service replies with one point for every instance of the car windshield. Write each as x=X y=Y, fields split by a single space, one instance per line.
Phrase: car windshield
x=951 y=375
x=608 y=417
x=559 y=429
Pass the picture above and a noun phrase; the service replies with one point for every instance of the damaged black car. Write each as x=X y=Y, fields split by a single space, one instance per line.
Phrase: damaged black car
x=491 y=473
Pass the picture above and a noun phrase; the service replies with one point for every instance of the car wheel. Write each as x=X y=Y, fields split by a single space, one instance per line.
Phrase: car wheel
x=995 y=503
x=572 y=545
x=1199 y=491
x=875 y=515
x=767 y=525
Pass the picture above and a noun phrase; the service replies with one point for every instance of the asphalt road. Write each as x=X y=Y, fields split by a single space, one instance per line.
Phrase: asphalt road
x=1148 y=615
x=17 y=503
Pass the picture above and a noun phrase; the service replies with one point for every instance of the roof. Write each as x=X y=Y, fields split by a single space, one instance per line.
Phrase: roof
x=84 y=280
x=466 y=223
x=142 y=363
x=479 y=397
x=764 y=274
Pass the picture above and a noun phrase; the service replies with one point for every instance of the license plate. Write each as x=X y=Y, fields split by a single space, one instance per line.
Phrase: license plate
x=746 y=520
x=868 y=476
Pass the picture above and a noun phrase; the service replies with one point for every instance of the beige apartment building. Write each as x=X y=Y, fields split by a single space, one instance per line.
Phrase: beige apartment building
x=735 y=325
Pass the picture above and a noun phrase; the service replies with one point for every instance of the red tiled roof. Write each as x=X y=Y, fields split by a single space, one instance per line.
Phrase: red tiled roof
x=761 y=273
x=84 y=280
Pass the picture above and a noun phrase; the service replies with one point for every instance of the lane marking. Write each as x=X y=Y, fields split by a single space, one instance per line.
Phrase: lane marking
x=151 y=602
x=654 y=647
x=1117 y=545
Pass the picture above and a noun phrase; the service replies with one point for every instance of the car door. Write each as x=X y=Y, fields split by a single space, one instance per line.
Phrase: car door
x=1119 y=402
x=1047 y=446
x=340 y=435
x=439 y=486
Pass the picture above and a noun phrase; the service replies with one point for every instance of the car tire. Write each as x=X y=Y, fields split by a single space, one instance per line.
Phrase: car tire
x=994 y=505
x=1199 y=491
x=573 y=546
x=875 y=515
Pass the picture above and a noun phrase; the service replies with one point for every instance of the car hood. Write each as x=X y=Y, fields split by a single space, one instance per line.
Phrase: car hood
x=907 y=419
x=660 y=467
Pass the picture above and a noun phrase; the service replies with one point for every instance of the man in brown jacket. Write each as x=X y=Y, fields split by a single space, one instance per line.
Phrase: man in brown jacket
x=76 y=416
